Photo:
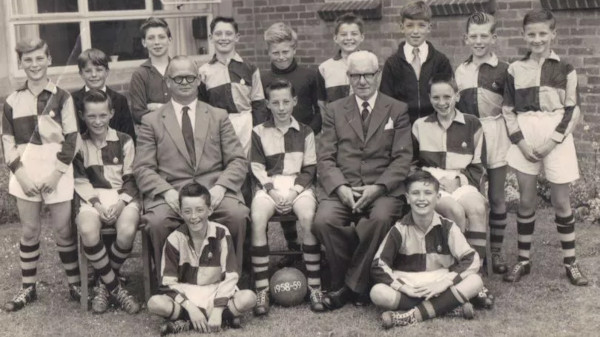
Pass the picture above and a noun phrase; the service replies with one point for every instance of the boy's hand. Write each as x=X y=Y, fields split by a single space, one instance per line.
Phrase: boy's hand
x=172 y=198
x=153 y=106
x=197 y=318
x=215 y=320
x=368 y=194
x=102 y=212
x=28 y=186
x=449 y=185
x=114 y=211
x=280 y=202
x=289 y=200
x=528 y=151
x=432 y=289
x=545 y=149
x=346 y=196
x=48 y=183
x=217 y=193
x=410 y=291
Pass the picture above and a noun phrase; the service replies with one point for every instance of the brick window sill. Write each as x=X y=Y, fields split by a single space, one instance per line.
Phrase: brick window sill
x=367 y=9
x=570 y=4
x=461 y=7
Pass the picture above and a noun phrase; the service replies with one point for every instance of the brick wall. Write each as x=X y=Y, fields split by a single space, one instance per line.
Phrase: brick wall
x=578 y=41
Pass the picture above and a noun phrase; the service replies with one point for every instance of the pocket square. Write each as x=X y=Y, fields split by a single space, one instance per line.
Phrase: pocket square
x=389 y=125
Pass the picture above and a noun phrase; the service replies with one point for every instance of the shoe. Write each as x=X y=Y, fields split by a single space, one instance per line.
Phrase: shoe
x=575 y=275
x=316 y=299
x=23 y=297
x=466 y=311
x=520 y=269
x=126 y=301
x=337 y=299
x=100 y=302
x=498 y=264
x=483 y=300
x=396 y=318
x=361 y=300
x=262 y=302
x=74 y=292
x=230 y=320
x=175 y=327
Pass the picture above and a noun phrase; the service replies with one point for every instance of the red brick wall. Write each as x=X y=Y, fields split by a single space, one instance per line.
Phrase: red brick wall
x=578 y=41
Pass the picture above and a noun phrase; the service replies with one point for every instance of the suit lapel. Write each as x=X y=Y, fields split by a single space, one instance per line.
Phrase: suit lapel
x=174 y=130
x=200 y=129
x=378 y=116
x=353 y=117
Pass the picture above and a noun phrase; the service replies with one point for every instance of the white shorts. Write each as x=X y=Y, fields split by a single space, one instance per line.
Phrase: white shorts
x=459 y=192
x=417 y=279
x=560 y=165
x=283 y=184
x=242 y=124
x=108 y=197
x=201 y=296
x=39 y=161
x=497 y=142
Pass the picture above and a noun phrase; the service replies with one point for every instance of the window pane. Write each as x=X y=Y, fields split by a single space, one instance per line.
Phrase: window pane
x=62 y=38
x=116 y=5
x=120 y=38
x=25 y=7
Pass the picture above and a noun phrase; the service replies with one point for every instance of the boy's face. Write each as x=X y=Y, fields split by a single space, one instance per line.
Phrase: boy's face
x=422 y=198
x=157 y=41
x=195 y=212
x=281 y=103
x=538 y=37
x=282 y=54
x=94 y=76
x=224 y=38
x=443 y=98
x=35 y=64
x=480 y=39
x=96 y=117
x=348 y=37
x=415 y=31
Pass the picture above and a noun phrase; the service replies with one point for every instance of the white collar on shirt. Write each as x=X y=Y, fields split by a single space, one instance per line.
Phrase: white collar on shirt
x=192 y=112
x=423 y=52
x=88 y=89
x=371 y=102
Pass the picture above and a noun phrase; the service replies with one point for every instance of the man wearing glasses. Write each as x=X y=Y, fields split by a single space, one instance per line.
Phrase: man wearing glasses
x=187 y=141
x=364 y=155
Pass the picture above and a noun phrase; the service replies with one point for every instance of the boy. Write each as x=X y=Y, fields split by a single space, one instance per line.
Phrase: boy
x=333 y=81
x=406 y=74
x=540 y=109
x=480 y=81
x=39 y=137
x=104 y=181
x=93 y=69
x=448 y=144
x=148 y=88
x=232 y=84
x=424 y=264
x=284 y=164
x=198 y=271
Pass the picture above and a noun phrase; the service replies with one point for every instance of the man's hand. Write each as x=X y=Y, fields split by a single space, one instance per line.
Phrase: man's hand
x=114 y=211
x=449 y=185
x=368 y=194
x=346 y=196
x=153 y=106
x=197 y=318
x=28 y=186
x=172 y=198
x=432 y=289
x=215 y=320
x=217 y=193
x=48 y=183
x=543 y=150
x=528 y=151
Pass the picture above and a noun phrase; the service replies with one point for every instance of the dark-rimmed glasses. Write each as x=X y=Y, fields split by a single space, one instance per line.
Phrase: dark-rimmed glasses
x=179 y=79
x=367 y=76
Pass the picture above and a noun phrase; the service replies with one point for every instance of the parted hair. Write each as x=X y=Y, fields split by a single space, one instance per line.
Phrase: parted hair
x=481 y=18
x=416 y=10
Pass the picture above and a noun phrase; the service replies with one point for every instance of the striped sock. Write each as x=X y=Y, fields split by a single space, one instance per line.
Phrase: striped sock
x=312 y=260
x=99 y=259
x=260 y=266
x=439 y=305
x=497 y=227
x=525 y=227
x=566 y=233
x=118 y=255
x=290 y=234
x=69 y=259
x=477 y=240
x=29 y=258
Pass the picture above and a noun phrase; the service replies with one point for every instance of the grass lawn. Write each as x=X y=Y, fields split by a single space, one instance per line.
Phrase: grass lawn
x=542 y=304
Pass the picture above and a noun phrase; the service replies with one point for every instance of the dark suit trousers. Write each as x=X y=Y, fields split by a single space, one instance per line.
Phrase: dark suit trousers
x=350 y=249
x=231 y=213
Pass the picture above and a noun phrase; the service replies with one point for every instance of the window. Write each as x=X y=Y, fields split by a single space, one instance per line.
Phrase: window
x=70 y=26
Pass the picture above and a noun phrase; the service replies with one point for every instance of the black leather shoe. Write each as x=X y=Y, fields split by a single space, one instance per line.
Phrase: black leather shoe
x=337 y=299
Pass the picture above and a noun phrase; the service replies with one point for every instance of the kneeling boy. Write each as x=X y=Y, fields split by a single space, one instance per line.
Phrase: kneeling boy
x=424 y=264
x=199 y=271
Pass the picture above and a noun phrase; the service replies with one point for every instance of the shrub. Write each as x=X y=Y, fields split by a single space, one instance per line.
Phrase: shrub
x=8 y=206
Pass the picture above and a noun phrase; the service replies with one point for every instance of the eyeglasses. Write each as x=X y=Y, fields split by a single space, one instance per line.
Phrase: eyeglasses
x=367 y=76
x=179 y=79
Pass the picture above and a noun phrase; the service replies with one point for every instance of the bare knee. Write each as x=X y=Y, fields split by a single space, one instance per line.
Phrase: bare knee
x=160 y=305
x=30 y=234
x=384 y=296
x=243 y=300
x=470 y=286
x=126 y=234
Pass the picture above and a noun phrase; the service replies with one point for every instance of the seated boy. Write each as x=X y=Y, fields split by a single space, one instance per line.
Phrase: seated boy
x=283 y=161
x=104 y=181
x=424 y=264
x=448 y=144
x=198 y=271
x=93 y=69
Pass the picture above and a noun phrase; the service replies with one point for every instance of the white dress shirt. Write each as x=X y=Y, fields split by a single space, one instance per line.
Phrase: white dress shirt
x=423 y=52
x=179 y=112
x=371 y=102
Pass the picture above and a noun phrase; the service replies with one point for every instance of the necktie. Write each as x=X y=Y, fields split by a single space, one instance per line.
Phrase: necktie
x=416 y=62
x=188 y=133
x=364 y=114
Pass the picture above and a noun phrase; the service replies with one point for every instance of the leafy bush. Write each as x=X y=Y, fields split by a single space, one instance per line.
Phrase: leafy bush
x=8 y=206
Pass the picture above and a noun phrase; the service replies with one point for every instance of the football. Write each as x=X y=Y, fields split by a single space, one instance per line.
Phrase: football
x=288 y=287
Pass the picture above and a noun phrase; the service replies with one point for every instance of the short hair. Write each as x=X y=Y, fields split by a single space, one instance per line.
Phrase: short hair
x=539 y=15
x=348 y=19
x=279 y=83
x=31 y=44
x=443 y=78
x=481 y=18
x=153 y=22
x=360 y=54
x=94 y=56
x=224 y=19
x=96 y=96
x=416 y=10
x=195 y=190
x=181 y=58
x=280 y=32
x=421 y=176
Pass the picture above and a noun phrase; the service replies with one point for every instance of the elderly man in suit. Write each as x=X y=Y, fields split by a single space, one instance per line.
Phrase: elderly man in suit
x=189 y=141
x=364 y=156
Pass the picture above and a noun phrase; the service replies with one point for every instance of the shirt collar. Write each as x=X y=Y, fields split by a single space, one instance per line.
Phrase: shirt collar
x=338 y=55
x=371 y=101
x=50 y=87
x=147 y=64
x=211 y=231
x=178 y=106
x=236 y=57
x=111 y=136
x=492 y=60
x=435 y=221
x=553 y=56
x=86 y=88
x=270 y=123
x=459 y=117
x=408 y=48
x=287 y=70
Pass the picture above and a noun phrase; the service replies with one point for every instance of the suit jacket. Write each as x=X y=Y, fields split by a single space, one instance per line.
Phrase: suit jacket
x=122 y=119
x=162 y=161
x=346 y=157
